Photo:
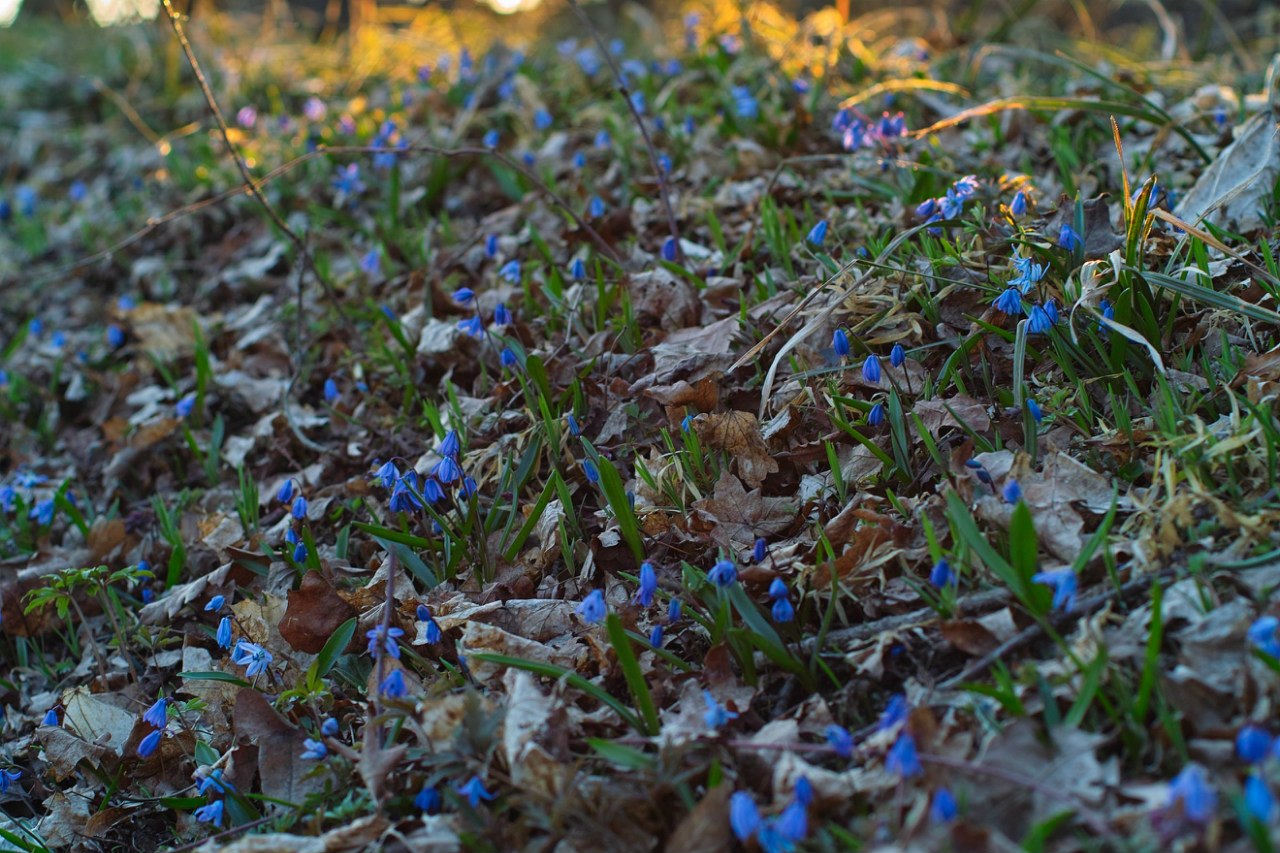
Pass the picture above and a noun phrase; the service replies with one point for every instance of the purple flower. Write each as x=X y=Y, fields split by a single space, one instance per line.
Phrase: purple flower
x=247 y=117
x=593 y=609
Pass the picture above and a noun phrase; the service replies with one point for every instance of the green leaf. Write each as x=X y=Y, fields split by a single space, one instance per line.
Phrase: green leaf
x=550 y=670
x=215 y=676
x=333 y=647
x=1024 y=549
x=624 y=756
x=631 y=672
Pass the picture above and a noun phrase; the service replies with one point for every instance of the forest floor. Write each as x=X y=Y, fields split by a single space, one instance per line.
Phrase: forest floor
x=849 y=435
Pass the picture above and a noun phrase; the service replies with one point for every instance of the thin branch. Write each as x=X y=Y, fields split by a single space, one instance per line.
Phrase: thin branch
x=635 y=113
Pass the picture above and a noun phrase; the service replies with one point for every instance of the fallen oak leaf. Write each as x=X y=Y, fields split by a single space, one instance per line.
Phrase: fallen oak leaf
x=738 y=434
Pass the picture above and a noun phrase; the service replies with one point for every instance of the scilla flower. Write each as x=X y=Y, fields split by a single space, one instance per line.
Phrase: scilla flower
x=723 y=574
x=593 y=608
x=716 y=715
x=871 y=370
x=818 y=233
x=840 y=343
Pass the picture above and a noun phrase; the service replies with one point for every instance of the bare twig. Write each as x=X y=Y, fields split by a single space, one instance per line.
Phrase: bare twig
x=635 y=113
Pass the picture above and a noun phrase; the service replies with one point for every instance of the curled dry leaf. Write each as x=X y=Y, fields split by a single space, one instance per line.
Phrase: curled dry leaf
x=738 y=434
x=735 y=517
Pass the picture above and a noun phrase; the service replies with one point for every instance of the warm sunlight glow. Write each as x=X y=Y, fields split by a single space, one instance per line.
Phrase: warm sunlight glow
x=9 y=11
x=111 y=12
x=508 y=7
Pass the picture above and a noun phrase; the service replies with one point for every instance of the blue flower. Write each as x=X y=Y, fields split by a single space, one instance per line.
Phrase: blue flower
x=744 y=103
x=300 y=552
x=511 y=271
x=115 y=336
x=595 y=208
x=1019 y=204
x=897 y=355
x=428 y=800
x=285 y=493
x=648 y=584
x=840 y=739
x=951 y=205
x=673 y=610
x=149 y=743
x=840 y=343
x=508 y=358
x=1253 y=743
x=329 y=728
x=572 y=422
x=158 y=714
x=224 y=633
x=895 y=712
x=371 y=262
x=579 y=160
x=966 y=187
x=804 y=791
x=686 y=423
x=818 y=233
x=387 y=474
x=669 y=249
x=593 y=609
x=793 y=823
x=1258 y=800
x=50 y=717
x=1191 y=790
x=211 y=813
x=664 y=163
x=782 y=610
x=491 y=139
x=447 y=470
x=451 y=445
x=502 y=315
x=943 y=808
x=876 y=416
x=215 y=603
x=603 y=140
x=472 y=326
x=186 y=405
x=902 y=758
x=1034 y=408
x=1038 y=322
x=1262 y=633
x=388 y=641
x=589 y=468
x=1009 y=302
x=1068 y=238
x=716 y=714
x=871 y=370
x=941 y=575
x=464 y=295
x=744 y=817
x=723 y=574
x=927 y=208
x=1012 y=492
x=474 y=791
x=542 y=119
x=393 y=686
x=7 y=778
x=432 y=634
x=299 y=508
x=330 y=390
x=314 y=750
x=252 y=656
x=655 y=637
x=1063 y=583
x=760 y=550
x=348 y=181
